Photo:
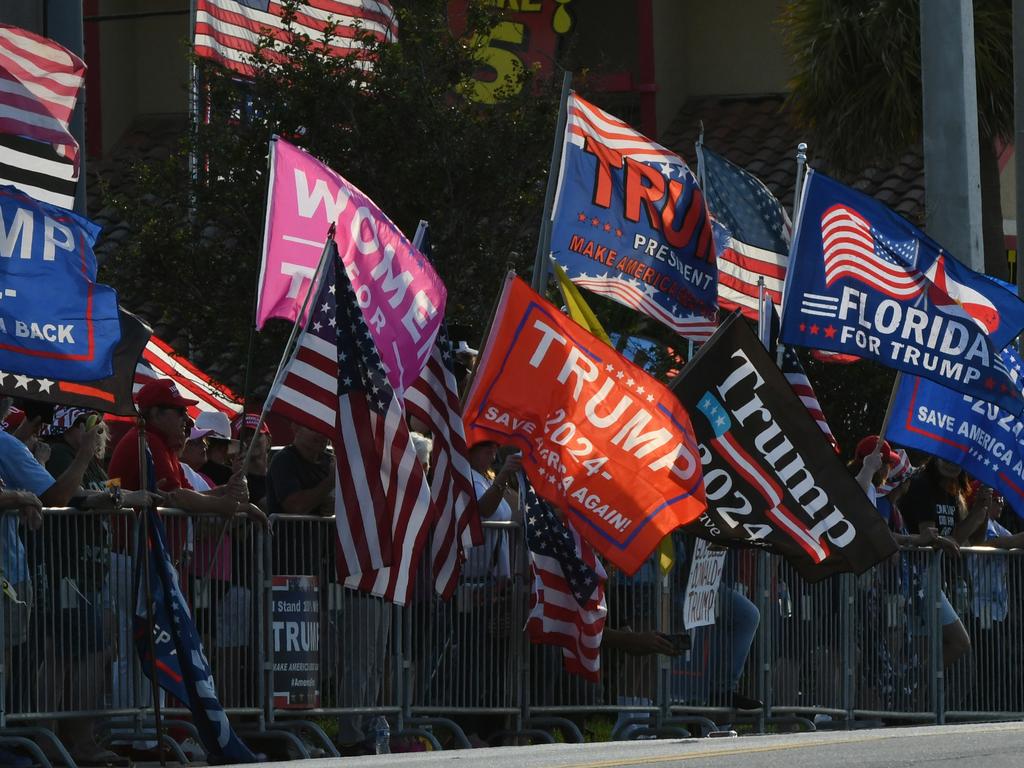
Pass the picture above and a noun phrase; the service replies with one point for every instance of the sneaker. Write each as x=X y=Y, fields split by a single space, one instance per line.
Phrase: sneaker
x=739 y=701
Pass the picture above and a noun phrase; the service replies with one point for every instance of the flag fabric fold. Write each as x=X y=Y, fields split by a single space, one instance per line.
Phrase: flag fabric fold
x=865 y=281
x=567 y=594
x=173 y=658
x=39 y=85
x=160 y=361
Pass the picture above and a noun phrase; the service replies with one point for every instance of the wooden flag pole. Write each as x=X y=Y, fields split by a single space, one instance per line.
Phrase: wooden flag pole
x=540 y=263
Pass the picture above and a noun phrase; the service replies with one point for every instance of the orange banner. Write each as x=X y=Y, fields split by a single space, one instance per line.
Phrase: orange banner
x=600 y=438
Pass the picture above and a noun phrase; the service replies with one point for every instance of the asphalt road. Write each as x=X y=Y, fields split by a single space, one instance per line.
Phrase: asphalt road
x=990 y=745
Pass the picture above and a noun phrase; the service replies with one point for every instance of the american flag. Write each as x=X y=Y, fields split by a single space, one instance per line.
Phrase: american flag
x=855 y=249
x=159 y=361
x=336 y=384
x=434 y=399
x=227 y=30
x=751 y=232
x=567 y=600
x=587 y=121
x=39 y=84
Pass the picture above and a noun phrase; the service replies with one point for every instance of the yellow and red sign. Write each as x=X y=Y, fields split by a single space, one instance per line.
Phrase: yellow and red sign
x=600 y=438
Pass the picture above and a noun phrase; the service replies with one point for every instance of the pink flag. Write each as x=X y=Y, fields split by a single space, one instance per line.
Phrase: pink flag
x=401 y=295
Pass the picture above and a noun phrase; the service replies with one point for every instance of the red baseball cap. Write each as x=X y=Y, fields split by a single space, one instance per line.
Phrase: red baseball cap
x=161 y=393
x=868 y=444
x=247 y=421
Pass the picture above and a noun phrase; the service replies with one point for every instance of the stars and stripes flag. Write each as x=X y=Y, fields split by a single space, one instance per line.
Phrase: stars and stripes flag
x=160 y=361
x=595 y=240
x=38 y=170
x=751 y=232
x=336 y=384
x=792 y=368
x=434 y=399
x=39 y=85
x=567 y=596
x=853 y=248
x=227 y=31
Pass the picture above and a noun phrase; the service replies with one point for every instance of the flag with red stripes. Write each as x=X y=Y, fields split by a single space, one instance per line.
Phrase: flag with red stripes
x=567 y=596
x=227 y=31
x=336 y=384
x=39 y=84
x=159 y=361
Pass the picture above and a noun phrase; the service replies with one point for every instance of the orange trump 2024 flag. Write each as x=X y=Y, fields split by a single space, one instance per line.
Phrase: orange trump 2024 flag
x=600 y=438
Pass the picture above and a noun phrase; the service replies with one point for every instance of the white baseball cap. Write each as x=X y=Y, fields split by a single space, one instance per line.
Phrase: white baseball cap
x=216 y=422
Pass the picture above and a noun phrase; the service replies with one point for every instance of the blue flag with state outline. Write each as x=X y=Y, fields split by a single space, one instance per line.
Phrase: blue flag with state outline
x=865 y=281
x=56 y=321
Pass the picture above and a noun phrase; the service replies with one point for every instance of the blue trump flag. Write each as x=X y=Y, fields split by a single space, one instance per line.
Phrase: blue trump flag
x=56 y=321
x=630 y=222
x=181 y=666
x=864 y=281
x=981 y=438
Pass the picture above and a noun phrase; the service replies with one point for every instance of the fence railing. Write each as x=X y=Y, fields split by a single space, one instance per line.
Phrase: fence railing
x=848 y=648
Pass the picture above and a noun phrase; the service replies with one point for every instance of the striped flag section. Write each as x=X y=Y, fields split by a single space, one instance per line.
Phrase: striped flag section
x=849 y=245
x=39 y=84
x=159 y=361
x=584 y=119
x=37 y=170
x=567 y=598
x=794 y=372
x=227 y=31
x=336 y=384
x=636 y=294
x=434 y=400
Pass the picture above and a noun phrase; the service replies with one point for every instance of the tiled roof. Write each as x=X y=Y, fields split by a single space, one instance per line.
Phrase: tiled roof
x=760 y=134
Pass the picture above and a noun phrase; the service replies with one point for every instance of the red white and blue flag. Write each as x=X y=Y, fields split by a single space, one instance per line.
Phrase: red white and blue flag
x=160 y=361
x=567 y=597
x=227 y=31
x=630 y=223
x=865 y=281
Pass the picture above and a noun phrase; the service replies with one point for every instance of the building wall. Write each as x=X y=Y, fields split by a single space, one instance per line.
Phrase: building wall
x=27 y=14
x=143 y=64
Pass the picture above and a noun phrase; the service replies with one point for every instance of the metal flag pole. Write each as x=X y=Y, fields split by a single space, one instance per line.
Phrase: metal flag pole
x=148 y=587
x=801 y=172
x=314 y=288
x=540 y=263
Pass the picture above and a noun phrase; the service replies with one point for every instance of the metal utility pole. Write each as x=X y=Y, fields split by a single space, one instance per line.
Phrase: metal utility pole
x=952 y=168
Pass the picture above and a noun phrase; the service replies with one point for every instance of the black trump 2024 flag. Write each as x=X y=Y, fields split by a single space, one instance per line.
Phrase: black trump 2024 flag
x=771 y=478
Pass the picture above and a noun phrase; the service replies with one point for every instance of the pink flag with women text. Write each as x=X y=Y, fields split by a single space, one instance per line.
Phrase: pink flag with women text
x=401 y=295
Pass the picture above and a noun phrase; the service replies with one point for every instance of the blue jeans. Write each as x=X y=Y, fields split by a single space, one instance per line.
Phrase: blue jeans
x=718 y=653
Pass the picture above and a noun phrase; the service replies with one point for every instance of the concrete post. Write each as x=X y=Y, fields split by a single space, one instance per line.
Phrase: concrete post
x=950 y=106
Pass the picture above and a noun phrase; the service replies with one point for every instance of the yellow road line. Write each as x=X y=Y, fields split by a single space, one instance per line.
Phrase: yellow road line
x=753 y=750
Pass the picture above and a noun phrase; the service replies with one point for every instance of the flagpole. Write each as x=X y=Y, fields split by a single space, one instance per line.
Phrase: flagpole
x=314 y=288
x=540 y=264
x=801 y=171
x=154 y=684
x=483 y=339
x=888 y=408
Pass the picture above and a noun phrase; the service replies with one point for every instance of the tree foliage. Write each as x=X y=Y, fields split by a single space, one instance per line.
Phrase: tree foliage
x=857 y=81
x=407 y=133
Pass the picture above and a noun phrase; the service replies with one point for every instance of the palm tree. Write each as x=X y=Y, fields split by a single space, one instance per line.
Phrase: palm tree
x=857 y=88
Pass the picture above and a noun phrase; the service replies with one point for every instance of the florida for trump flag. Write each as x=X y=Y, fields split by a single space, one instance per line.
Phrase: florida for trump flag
x=567 y=597
x=600 y=438
x=865 y=281
x=335 y=384
x=630 y=223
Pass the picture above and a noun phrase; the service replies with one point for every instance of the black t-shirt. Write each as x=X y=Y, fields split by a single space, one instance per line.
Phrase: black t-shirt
x=220 y=474
x=288 y=473
x=300 y=547
x=925 y=502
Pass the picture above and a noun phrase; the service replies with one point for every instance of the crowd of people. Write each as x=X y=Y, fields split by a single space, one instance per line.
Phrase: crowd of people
x=69 y=590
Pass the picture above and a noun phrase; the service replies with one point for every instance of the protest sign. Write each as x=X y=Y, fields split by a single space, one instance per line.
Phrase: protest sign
x=601 y=439
x=401 y=295
x=700 y=603
x=981 y=438
x=864 y=281
x=630 y=221
x=56 y=321
x=296 y=630
x=771 y=479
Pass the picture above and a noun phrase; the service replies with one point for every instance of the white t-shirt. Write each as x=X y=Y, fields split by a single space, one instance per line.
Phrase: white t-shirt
x=494 y=550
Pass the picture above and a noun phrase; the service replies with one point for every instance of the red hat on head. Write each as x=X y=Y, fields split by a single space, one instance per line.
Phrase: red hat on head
x=13 y=419
x=161 y=392
x=868 y=444
x=247 y=421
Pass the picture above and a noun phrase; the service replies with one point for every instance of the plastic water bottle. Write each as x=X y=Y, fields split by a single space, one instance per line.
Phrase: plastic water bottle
x=381 y=735
x=785 y=602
